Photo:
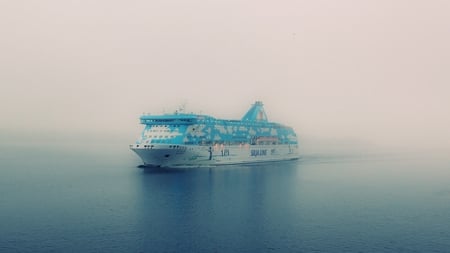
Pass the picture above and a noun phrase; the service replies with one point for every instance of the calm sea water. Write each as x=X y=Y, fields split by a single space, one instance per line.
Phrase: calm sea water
x=95 y=199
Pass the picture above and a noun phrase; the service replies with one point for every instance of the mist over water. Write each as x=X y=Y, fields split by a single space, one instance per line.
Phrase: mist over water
x=363 y=83
x=375 y=72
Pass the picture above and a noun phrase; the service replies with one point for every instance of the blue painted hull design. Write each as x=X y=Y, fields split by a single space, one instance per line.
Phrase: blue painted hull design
x=182 y=140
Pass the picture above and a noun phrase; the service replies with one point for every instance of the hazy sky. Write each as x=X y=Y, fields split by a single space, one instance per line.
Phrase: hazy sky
x=374 y=70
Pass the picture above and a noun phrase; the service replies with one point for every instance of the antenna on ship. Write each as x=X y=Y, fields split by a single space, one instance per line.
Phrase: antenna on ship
x=182 y=107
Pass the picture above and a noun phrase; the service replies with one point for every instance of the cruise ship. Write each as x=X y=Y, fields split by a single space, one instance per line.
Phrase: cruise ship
x=187 y=140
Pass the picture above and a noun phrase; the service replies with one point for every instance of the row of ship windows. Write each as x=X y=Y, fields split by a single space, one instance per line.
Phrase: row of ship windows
x=225 y=125
x=164 y=125
x=151 y=146
x=209 y=143
x=228 y=124
x=161 y=137
x=158 y=131
x=168 y=120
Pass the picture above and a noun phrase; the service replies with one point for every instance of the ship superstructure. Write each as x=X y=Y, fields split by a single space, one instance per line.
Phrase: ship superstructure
x=194 y=140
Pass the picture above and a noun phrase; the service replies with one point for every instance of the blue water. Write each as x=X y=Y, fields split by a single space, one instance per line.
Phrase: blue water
x=95 y=199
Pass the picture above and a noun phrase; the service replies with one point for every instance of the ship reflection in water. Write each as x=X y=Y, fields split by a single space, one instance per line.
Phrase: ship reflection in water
x=76 y=201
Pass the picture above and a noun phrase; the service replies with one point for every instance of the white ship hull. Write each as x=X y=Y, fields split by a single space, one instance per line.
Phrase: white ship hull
x=188 y=156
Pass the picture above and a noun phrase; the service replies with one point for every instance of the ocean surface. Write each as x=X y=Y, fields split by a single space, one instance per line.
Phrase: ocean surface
x=91 y=198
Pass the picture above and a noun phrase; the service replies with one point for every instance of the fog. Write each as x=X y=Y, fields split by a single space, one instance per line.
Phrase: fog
x=375 y=73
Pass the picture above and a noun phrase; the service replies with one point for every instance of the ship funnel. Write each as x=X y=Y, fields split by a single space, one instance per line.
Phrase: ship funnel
x=256 y=113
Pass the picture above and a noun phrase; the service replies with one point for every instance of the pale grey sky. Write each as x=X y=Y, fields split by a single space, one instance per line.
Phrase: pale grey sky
x=377 y=71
